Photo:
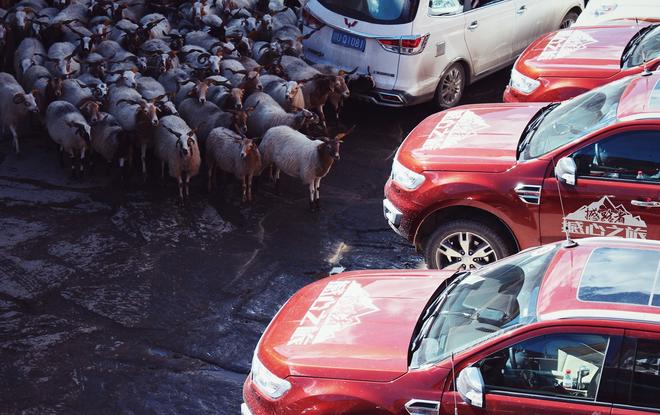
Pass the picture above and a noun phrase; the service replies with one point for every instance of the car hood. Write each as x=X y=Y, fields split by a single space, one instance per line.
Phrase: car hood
x=356 y=326
x=472 y=138
x=583 y=52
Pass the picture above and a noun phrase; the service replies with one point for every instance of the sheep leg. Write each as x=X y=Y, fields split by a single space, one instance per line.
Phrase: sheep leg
x=317 y=192
x=187 y=188
x=321 y=114
x=180 y=180
x=210 y=178
x=82 y=163
x=61 y=156
x=277 y=181
x=123 y=170
x=244 y=189
x=143 y=157
x=72 y=158
x=312 y=197
x=14 y=134
x=250 y=178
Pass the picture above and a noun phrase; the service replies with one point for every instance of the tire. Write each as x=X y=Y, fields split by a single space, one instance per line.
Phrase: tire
x=569 y=20
x=450 y=235
x=451 y=87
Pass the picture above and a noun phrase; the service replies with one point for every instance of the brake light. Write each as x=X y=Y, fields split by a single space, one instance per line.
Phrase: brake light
x=310 y=21
x=409 y=45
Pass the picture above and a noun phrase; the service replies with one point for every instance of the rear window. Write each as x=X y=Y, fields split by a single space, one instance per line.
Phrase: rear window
x=625 y=276
x=375 y=11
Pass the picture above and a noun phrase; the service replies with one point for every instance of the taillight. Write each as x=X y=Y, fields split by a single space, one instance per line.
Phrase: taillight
x=310 y=21
x=407 y=45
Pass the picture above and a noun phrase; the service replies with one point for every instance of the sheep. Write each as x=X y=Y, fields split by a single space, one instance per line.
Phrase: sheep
x=232 y=153
x=110 y=141
x=317 y=87
x=199 y=89
x=68 y=128
x=287 y=93
x=269 y=114
x=296 y=155
x=176 y=145
x=207 y=116
x=171 y=80
x=226 y=98
x=152 y=90
x=340 y=92
x=136 y=116
x=240 y=77
x=60 y=60
x=160 y=29
x=14 y=105
x=30 y=52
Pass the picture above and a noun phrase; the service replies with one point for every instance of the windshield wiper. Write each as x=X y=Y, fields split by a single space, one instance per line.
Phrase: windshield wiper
x=632 y=44
x=531 y=128
x=433 y=310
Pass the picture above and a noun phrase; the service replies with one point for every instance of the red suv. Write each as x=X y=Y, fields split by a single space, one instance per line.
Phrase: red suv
x=564 y=64
x=560 y=329
x=477 y=183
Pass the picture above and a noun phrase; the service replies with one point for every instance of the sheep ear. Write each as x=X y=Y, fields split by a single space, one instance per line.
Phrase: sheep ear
x=19 y=98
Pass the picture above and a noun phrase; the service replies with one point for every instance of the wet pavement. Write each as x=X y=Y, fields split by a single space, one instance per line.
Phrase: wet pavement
x=121 y=301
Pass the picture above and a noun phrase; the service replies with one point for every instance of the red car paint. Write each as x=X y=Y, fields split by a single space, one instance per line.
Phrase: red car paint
x=362 y=367
x=471 y=171
x=571 y=61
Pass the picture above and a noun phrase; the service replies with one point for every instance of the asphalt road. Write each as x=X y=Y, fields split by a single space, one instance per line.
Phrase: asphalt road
x=120 y=301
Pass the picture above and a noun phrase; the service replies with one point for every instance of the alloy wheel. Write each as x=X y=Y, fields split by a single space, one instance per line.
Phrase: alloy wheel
x=464 y=251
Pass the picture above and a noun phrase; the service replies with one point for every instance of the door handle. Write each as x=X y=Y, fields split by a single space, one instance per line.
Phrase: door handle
x=645 y=203
x=521 y=10
x=473 y=25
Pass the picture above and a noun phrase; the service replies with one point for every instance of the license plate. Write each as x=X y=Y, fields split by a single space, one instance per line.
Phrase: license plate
x=348 y=40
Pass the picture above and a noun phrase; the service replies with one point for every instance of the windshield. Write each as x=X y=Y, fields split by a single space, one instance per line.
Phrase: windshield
x=375 y=11
x=483 y=304
x=644 y=47
x=574 y=119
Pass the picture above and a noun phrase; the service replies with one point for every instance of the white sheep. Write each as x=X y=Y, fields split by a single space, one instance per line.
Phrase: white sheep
x=270 y=114
x=68 y=128
x=296 y=155
x=14 y=105
x=231 y=153
x=287 y=93
x=176 y=145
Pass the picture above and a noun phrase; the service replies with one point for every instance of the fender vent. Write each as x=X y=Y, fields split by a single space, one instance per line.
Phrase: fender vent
x=529 y=194
x=421 y=407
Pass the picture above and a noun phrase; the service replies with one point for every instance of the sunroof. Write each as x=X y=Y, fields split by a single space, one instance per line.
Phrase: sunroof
x=624 y=276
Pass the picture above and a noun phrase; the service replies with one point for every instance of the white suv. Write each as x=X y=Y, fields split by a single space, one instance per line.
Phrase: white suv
x=423 y=50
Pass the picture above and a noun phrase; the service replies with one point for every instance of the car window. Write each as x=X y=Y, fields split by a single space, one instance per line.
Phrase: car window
x=576 y=118
x=617 y=286
x=375 y=11
x=648 y=48
x=440 y=7
x=480 y=3
x=562 y=365
x=645 y=388
x=630 y=156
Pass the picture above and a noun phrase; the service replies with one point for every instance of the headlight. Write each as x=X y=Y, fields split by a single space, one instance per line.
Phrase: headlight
x=406 y=177
x=267 y=383
x=523 y=83
x=605 y=8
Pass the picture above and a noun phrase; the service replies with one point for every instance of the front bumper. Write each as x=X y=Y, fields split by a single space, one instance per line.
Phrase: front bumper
x=401 y=211
x=393 y=215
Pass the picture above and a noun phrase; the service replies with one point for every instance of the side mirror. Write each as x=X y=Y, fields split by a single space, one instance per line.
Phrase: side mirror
x=470 y=385
x=565 y=171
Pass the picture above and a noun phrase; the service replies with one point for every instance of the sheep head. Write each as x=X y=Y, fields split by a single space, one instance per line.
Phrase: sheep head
x=56 y=84
x=330 y=147
x=92 y=110
x=240 y=118
x=28 y=101
x=83 y=130
x=236 y=97
x=248 y=148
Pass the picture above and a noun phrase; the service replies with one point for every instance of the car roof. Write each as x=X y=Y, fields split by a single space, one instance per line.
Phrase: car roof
x=584 y=281
x=641 y=99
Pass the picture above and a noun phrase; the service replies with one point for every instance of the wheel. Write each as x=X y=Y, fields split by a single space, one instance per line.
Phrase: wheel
x=465 y=244
x=451 y=86
x=569 y=20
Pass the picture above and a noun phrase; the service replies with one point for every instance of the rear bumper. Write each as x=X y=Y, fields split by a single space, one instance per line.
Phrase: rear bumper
x=392 y=98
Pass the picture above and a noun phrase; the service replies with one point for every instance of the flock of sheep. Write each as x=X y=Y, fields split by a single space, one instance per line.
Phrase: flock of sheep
x=117 y=79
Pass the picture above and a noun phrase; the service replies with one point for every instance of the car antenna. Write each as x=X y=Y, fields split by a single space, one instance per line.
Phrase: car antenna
x=569 y=243
x=645 y=65
x=453 y=376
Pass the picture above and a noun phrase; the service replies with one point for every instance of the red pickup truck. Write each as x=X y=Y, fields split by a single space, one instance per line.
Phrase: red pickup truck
x=477 y=183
